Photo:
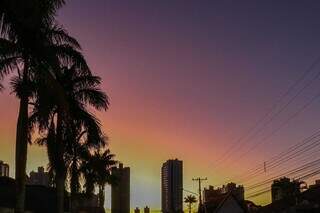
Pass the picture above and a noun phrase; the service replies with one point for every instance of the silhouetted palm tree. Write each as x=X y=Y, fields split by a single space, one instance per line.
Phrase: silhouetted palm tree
x=81 y=90
x=31 y=43
x=97 y=172
x=79 y=148
x=190 y=199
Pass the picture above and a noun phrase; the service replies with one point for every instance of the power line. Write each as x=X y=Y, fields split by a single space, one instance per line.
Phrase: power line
x=297 y=145
x=287 y=173
x=279 y=127
x=293 y=152
x=268 y=189
x=290 y=154
x=274 y=106
x=309 y=157
x=190 y=191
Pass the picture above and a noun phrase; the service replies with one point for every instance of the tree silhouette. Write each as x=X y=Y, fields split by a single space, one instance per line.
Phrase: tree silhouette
x=190 y=199
x=97 y=171
x=31 y=43
x=79 y=153
x=81 y=90
x=54 y=83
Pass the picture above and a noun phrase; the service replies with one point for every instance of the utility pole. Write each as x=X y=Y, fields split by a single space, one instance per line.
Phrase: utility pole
x=199 y=182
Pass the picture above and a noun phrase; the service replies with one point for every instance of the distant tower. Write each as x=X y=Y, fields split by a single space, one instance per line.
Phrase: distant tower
x=120 y=192
x=146 y=209
x=4 y=169
x=136 y=210
x=171 y=186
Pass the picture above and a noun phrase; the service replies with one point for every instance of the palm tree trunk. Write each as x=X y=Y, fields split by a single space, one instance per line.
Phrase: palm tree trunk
x=60 y=168
x=60 y=180
x=74 y=183
x=101 y=196
x=189 y=207
x=21 y=150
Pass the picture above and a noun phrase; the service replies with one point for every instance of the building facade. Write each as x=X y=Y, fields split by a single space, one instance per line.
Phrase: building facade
x=120 y=193
x=211 y=193
x=237 y=191
x=283 y=188
x=38 y=178
x=171 y=186
x=4 y=169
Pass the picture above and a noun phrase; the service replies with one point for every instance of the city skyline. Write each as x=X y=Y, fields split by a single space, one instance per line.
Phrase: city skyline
x=189 y=81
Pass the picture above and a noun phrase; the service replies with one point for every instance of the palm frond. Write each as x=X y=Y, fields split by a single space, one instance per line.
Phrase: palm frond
x=59 y=36
x=8 y=65
x=91 y=124
x=22 y=87
x=69 y=56
x=94 y=97
x=84 y=81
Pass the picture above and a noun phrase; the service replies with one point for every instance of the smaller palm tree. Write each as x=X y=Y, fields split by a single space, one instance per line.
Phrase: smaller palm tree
x=190 y=199
x=97 y=172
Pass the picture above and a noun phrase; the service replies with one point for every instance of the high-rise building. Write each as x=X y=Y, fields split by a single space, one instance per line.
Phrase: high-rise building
x=120 y=192
x=171 y=186
x=4 y=169
x=38 y=178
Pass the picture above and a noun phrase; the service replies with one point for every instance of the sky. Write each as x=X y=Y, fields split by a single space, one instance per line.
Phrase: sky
x=187 y=79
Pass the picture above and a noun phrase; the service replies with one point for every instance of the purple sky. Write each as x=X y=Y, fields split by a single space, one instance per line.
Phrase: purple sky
x=188 y=78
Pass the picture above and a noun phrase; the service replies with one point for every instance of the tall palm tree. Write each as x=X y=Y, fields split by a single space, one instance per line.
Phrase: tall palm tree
x=31 y=43
x=82 y=91
x=97 y=171
x=190 y=199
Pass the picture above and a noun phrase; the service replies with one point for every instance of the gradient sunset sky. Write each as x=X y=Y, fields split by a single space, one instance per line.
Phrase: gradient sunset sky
x=187 y=79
